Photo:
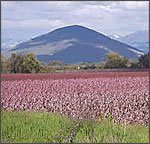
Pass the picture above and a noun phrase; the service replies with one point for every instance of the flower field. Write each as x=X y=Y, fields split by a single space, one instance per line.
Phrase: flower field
x=124 y=96
x=74 y=75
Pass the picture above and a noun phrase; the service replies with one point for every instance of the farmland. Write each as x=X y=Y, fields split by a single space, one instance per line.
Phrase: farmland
x=76 y=74
x=122 y=97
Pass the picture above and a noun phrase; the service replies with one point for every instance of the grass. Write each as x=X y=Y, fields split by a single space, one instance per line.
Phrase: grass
x=44 y=127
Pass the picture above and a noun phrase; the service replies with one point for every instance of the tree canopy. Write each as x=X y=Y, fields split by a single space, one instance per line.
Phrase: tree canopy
x=30 y=64
x=144 y=60
x=15 y=63
x=114 y=60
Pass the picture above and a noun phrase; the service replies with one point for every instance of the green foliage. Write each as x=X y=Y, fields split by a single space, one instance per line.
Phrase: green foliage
x=23 y=64
x=71 y=67
x=44 y=69
x=91 y=66
x=4 y=66
x=15 y=63
x=86 y=65
x=133 y=64
x=114 y=60
x=23 y=126
x=32 y=126
x=30 y=64
x=54 y=66
x=144 y=60
x=100 y=65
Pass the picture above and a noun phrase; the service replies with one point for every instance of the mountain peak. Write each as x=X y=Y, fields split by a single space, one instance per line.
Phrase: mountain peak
x=73 y=31
x=73 y=44
x=74 y=26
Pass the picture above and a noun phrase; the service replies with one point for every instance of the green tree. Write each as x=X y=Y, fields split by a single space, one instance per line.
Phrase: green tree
x=114 y=60
x=15 y=63
x=44 y=68
x=4 y=67
x=31 y=64
x=144 y=60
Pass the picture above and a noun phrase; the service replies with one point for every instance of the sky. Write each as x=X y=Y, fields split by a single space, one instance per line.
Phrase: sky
x=21 y=20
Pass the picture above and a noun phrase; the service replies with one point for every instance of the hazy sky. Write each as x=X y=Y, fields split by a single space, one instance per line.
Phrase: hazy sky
x=27 y=19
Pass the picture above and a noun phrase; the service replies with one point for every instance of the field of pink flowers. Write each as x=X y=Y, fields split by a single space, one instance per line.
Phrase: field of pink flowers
x=124 y=97
x=74 y=75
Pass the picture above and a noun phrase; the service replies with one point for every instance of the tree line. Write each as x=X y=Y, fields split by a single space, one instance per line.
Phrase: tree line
x=28 y=63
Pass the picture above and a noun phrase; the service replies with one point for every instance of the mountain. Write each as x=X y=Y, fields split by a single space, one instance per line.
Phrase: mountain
x=73 y=44
x=139 y=40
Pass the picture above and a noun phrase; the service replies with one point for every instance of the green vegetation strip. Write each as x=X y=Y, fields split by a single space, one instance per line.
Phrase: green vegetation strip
x=44 y=127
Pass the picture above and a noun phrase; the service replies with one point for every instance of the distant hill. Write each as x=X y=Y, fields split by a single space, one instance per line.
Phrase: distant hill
x=139 y=40
x=73 y=44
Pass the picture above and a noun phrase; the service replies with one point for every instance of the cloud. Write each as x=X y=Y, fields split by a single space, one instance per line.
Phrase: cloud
x=34 y=23
x=135 y=5
x=108 y=17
